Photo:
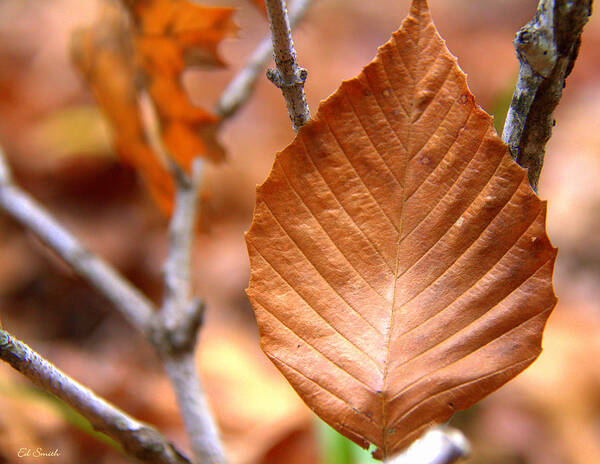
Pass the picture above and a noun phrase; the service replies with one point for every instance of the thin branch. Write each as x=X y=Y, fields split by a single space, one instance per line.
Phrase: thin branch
x=199 y=422
x=176 y=309
x=440 y=445
x=288 y=76
x=22 y=207
x=173 y=330
x=139 y=440
x=176 y=326
x=241 y=86
x=547 y=48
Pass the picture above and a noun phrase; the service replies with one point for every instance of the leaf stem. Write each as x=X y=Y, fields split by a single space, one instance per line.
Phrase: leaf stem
x=440 y=445
x=288 y=76
x=241 y=86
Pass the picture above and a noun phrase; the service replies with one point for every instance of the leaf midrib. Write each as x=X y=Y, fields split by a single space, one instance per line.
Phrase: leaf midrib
x=408 y=157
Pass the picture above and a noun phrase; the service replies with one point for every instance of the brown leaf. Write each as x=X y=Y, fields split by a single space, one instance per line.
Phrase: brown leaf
x=104 y=55
x=400 y=265
x=169 y=36
x=119 y=60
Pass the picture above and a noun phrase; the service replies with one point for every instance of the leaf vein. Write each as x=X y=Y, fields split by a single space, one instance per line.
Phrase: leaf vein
x=431 y=100
x=343 y=150
x=321 y=225
x=306 y=150
x=406 y=387
x=314 y=348
x=446 y=231
x=476 y=281
x=313 y=309
x=401 y=57
x=362 y=125
x=315 y=268
x=429 y=374
x=355 y=410
x=463 y=384
x=400 y=103
x=444 y=157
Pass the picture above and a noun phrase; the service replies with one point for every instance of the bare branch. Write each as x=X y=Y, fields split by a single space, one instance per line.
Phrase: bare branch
x=22 y=207
x=176 y=326
x=547 y=48
x=440 y=445
x=199 y=423
x=173 y=330
x=288 y=76
x=178 y=310
x=240 y=88
x=139 y=440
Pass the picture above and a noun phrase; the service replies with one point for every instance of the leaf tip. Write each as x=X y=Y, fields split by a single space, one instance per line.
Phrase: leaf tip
x=419 y=9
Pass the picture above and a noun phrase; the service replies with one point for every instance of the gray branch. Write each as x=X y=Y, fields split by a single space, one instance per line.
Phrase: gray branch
x=139 y=440
x=288 y=76
x=199 y=422
x=547 y=48
x=176 y=326
x=181 y=316
x=240 y=88
x=171 y=331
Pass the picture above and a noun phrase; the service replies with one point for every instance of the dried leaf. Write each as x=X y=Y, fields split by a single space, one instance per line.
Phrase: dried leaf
x=119 y=60
x=104 y=55
x=169 y=36
x=400 y=265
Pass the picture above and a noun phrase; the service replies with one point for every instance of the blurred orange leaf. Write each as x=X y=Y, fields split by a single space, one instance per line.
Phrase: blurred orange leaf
x=104 y=55
x=169 y=36
x=400 y=265
x=121 y=58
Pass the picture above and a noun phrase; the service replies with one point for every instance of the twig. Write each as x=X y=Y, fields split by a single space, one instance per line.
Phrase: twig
x=199 y=422
x=176 y=325
x=172 y=331
x=22 y=207
x=547 y=48
x=179 y=314
x=440 y=445
x=288 y=76
x=240 y=88
x=139 y=440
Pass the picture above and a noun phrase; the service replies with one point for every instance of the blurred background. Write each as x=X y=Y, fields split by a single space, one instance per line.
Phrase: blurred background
x=60 y=149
